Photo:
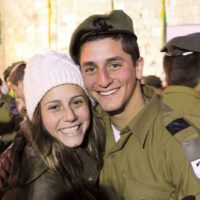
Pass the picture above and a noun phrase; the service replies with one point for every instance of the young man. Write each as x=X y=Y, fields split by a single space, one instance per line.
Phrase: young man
x=144 y=155
x=181 y=64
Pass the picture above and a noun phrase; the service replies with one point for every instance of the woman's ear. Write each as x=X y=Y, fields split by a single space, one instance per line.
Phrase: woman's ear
x=139 y=68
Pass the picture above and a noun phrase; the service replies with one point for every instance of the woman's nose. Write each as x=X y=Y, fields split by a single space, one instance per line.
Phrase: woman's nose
x=69 y=114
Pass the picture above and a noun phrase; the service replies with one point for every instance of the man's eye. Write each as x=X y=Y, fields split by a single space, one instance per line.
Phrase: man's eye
x=89 y=70
x=115 y=65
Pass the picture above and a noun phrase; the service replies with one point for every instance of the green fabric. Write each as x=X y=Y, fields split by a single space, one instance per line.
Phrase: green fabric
x=5 y=108
x=148 y=162
x=185 y=101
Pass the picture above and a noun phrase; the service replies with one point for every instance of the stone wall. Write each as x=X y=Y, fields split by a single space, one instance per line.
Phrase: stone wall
x=24 y=25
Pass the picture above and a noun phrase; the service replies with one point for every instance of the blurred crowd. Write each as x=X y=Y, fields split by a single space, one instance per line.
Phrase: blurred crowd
x=11 y=103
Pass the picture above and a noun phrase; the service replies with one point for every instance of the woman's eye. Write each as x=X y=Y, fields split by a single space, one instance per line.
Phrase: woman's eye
x=54 y=107
x=78 y=102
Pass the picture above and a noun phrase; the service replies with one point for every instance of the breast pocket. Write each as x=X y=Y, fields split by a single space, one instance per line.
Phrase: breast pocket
x=135 y=190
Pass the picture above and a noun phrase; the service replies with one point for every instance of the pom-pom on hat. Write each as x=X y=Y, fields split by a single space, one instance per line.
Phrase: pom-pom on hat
x=45 y=71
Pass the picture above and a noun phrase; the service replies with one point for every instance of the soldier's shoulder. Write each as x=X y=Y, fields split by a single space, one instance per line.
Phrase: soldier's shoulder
x=187 y=134
x=178 y=126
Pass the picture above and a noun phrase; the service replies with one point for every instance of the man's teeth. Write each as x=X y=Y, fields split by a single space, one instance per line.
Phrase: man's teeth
x=108 y=92
x=70 y=130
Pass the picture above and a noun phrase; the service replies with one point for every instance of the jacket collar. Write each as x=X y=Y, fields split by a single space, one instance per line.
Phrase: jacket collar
x=141 y=123
x=182 y=89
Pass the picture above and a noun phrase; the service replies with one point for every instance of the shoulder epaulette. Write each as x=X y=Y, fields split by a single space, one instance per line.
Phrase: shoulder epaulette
x=186 y=133
x=177 y=125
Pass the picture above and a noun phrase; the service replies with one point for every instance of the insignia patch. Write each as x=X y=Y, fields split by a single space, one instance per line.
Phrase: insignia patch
x=177 y=125
x=101 y=25
x=190 y=197
x=196 y=167
x=192 y=152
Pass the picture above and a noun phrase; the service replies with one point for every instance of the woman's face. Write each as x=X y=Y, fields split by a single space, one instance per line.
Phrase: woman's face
x=65 y=114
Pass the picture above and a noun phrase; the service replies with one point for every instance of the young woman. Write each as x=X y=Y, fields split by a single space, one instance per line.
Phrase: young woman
x=63 y=146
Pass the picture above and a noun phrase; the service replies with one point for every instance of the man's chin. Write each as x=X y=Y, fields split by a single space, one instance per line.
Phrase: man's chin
x=112 y=109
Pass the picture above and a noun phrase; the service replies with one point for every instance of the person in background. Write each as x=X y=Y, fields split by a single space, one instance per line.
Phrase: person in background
x=7 y=105
x=155 y=82
x=144 y=155
x=1 y=83
x=6 y=73
x=14 y=77
x=4 y=119
x=8 y=116
x=16 y=83
x=61 y=154
x=9 y=129
x=181 y=63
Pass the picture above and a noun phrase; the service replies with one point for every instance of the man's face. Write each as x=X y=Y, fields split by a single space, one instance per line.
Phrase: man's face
x=109 y=74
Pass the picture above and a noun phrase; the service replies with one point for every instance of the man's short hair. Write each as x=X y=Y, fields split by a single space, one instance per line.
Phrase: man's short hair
x=17 y=73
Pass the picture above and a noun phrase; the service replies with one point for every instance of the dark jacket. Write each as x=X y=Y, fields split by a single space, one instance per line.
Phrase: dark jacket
x=37 y=182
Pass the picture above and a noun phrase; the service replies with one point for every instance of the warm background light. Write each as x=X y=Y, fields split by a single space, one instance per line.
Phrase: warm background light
x=28 y=26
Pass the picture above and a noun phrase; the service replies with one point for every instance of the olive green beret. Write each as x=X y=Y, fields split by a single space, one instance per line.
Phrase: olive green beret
x=115 y=22
x=183 y=44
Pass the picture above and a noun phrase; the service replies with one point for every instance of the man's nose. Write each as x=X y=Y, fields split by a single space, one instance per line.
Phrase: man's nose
x=104 y=78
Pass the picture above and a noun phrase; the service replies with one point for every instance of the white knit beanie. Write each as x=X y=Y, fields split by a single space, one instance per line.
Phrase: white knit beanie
x=45 y=71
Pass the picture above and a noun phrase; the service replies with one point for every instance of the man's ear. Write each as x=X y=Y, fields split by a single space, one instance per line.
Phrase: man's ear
x=139 y=68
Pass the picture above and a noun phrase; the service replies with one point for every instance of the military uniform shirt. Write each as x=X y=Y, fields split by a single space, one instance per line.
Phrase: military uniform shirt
x=148 y=162
x=184 y=100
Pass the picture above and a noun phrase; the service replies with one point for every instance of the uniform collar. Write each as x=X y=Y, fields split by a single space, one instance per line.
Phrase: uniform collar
x=182 y=89
x=141 y=124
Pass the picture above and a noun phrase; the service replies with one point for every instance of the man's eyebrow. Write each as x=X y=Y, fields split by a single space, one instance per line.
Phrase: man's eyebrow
x=114 y=59
x=88 y=63
x=111 y=59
